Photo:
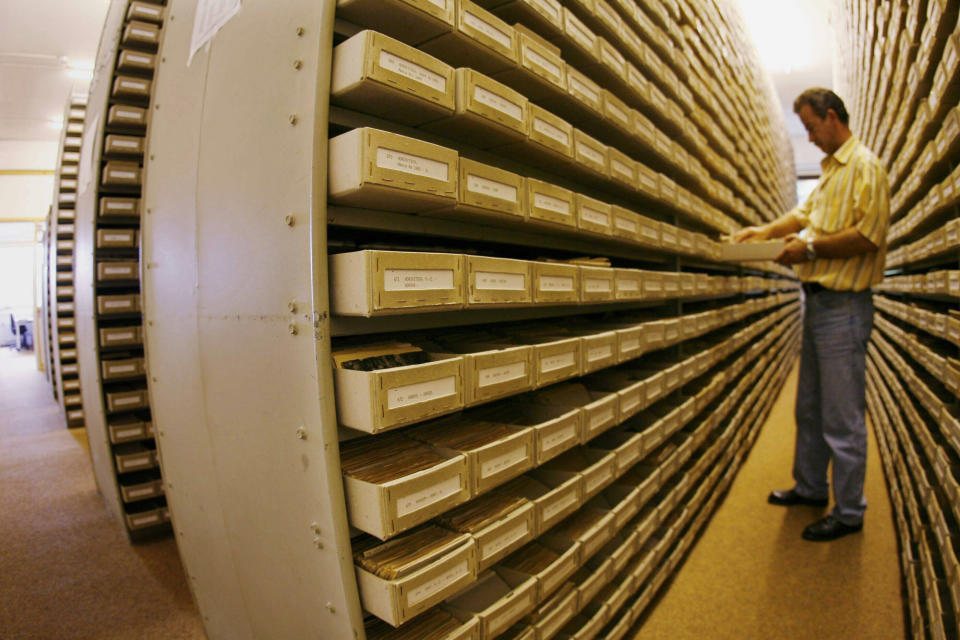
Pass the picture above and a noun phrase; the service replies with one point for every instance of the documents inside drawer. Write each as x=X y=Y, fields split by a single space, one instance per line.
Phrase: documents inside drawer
x=382 y=458
x=402 y=556
x=461 y=433
x=435 y=624
x=379 y=356
x=481 y=512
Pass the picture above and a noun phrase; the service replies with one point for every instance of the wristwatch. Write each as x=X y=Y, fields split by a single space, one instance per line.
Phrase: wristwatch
x=811 y=252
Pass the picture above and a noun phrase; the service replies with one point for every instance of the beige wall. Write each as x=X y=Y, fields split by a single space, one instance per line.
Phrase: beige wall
x=26 y=179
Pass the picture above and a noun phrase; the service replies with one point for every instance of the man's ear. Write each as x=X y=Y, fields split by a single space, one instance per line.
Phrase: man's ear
x=832 y=116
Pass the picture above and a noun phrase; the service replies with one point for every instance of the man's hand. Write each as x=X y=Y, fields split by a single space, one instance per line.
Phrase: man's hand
x=752 y=234
x=795 y=251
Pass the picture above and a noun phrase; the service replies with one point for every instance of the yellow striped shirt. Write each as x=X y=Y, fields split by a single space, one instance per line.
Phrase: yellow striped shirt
x=852 y=192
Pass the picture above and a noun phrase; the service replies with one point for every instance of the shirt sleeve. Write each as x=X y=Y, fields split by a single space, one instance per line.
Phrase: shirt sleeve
x=872 y=203
x=802 y=212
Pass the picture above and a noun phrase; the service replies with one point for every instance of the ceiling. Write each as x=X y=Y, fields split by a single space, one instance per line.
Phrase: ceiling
x=41 y=41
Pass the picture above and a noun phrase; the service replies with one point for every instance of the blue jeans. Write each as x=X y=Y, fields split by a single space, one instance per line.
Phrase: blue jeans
x=831 y=404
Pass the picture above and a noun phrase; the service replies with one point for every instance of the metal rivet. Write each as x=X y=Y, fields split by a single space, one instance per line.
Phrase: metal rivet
x=292 y=306
x=301 y=433
x=331 y=608
x=292 y=329
x=318 y=543
x=289 y=220
x=300 y=31
x=315 y=527
x=293 y=118
x=297 y=64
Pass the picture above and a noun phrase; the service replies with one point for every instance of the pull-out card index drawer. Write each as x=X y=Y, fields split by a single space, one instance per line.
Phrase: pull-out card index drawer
x=127 y=400
x=127 y=118
x=626 y=224
x=498 y=600
x=122 y=369
x=494 y=371
x=411 y=21
x=555 y=283
x=146 y=11
x=121 y=174
x=370 y=283
x=374 y=401
x=597 y=284
x=113 y=206
x=136 y=62
x=376 y=74
x=498 y=282
x=556 y=360
x=541 y=72
x=479 y=40
x=118 y=304
x=628 y=284
x=556 y=429
x=134 y=456
x=131 y=88
x=118 y=270
x=117 y=238
x=140 y=486
x=140 y=35
x=550 y=205
x=117 y=146
x=488 y=192
x=591 y=155
x=114 y=337
x=593 y=216
x=382 y=170
x=486 y=114
x=130 y=430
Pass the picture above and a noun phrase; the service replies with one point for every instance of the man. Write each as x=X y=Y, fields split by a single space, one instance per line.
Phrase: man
x=837 y=242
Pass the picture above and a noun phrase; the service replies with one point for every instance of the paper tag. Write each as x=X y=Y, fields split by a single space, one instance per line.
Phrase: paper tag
x=496 y=281
x=552 y=132
x=113 y=271
x=558 y=361
x=407 y=395
x=115 y=237
x=597 y=284
x=126 y=463
x=543 y=201
x=125 y=175
x=130 y=115
x=435 y=585
x=601 y=417
x=126 y=368
x=126 y=335
x=504 y=540
x=558 y=506
x=499 y=190
x=425 y=497
x=127 y=144
x=128 y=84
x=417 y=279
x=559 y=437
x=127 y=433
x=119 y=206
x=556 y=283
x=415 y=165
x=487 y=29
x=590 y=153
x=117 y=304
x=499 y=103
x=580 y=87
x=594 y=216
x=539 y=61
x=598 y=353
x=498 y=375
x=68 y=197
x=503 y=462
x=143 y=33
x=629 y=344
x=135 y=58
x=412 y=71
x=122 y=402
x=139 y=521
x=136 y=493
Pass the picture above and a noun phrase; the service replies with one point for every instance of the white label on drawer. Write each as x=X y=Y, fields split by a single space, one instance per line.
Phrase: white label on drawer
x=499 y=190
x=112 y=271
x=496 y=281
x=416 y=165
x=487 y=29
x=628 y=284
x=143 y=33
x=503 y=462
x=653 y=285
x=539 y=61
x=505 y=373
x=624 y=171
x=597 y=284
x=442 y=4
x=630 y=344
x=543 y=201
x=421 y=392
x=601 y=417
x=125 y=368
x=504 y=540
x=426 y=497
x=68 y=197
x=412 y=71
x=553 y=10
x=140 y=59
x=142 y=520
x=150 y=11
x=436 y=584
x=129 y=84
x=556 y=283
x=558 y=361
x=597 y=479
x=119 y=206
x=590 y=153
x=598 y=353
x=499 y=103
x=127 y=433
x=558 y=506
x=417 y=279
x=552 y=132
x=136 y=493
x=594 y=216
x=115 y=237
x=126 y=463
x=128 y=144
x=135 y=115
x=126 y=175
x=120 y=402
x=581 y=87
x=117 y=304
x=113 y=337
x=559 y=437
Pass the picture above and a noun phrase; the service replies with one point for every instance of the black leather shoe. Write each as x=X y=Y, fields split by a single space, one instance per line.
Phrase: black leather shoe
x=829 y=529
x=790 y=497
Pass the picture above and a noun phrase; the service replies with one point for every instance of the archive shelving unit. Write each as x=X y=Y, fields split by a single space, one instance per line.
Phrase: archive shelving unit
x=109 y=325
x=903 y=60
x=252 y=264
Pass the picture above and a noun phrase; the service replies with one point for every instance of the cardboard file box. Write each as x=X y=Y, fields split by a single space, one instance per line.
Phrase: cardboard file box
x=541 y=71
x=130 y=88
x=585 y=91
x=64 y=307
x=565 y=560
x=64 y=292
x=668 y=237
x=583 y=628
x=386 y=509
x=590 y=156
x=504 y=536
x=66 y=323
x=145 y=11
x=127 y=400
x=479 y=40
x=628 y=284
x=580 y=45
x=72 y=142
x=549 y=138
x=497 y=373
x=597 y=284
x=128 y=430
x=487 y=113
x=555 y=494
x=648 y=183
x=69 y=170
x=369 y=283
x=125 y=270
x=136 y=62
x=69 y=369
x=623 y=169
x=117 y=146
x=72 y=400
x=555 y=429
x=396 y=601
x=111 y=206
x=75 y=417
x=616 y=112
x=590 y=578
x=67 y=200
x=118 y=304
x=122 y=369
x=498 y=600
x=376 y=74
x=593 y=217
x=411 y=21
x=72 y=157
x=135 y=456
x=555 y=613
x=597 y=467
x=67 y=184
x=590 y=526
x=140 y=35
x=374 y=401
x=121 y=174
x=487 y=192
x=71 y=385
x=555 y=283
x=140 y=486
x=542 y=16
x=627 y=446
x=117 y=238
x=114 y=337
x=550 y=205
x=382 y=170
x=146 y=514
x=124 y=117
x=498 y=282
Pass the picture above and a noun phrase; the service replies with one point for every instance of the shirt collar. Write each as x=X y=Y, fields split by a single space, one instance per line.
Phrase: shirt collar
x=842 y=155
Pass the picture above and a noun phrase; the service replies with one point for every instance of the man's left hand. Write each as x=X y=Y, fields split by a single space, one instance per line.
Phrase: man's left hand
x=795 y=251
